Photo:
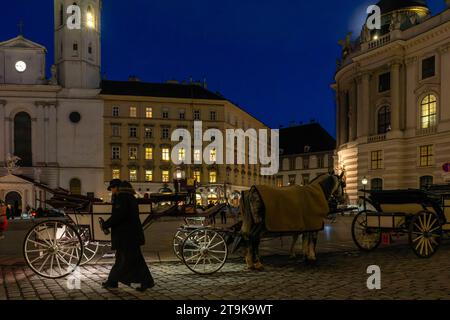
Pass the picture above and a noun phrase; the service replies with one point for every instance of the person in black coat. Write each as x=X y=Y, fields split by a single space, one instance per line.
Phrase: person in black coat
x=127 y=237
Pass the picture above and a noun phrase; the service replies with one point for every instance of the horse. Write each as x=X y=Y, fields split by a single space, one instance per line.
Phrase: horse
x=254 y=226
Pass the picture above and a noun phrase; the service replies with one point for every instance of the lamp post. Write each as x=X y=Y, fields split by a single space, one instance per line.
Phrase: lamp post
x=178 y=176
x=364 y=182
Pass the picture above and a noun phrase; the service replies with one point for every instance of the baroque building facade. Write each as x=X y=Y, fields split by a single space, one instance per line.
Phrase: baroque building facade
x=393 y=100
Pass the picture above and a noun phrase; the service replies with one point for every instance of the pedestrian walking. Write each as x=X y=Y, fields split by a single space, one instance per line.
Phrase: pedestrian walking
x=223 y=215
x=127 y=237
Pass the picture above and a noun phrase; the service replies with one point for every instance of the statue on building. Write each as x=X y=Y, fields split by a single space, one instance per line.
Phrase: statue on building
x=54 y=78
x=11 y=163
x=37 y=174
x=346 y=45
x=395 y=22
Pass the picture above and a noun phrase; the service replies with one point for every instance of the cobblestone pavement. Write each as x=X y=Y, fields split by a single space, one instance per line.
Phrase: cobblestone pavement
x=340 y=275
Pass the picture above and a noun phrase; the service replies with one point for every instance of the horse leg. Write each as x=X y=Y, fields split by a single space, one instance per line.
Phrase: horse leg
x=294 y=241
x=310 y=247
x=305 y=245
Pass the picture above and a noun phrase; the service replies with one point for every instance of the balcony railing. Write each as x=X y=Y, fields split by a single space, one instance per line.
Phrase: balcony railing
x=380 y=42
x=376 y=138
x=426 y=131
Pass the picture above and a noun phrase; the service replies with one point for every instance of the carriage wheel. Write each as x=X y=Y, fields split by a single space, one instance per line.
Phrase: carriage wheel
x=365 y=239
x=178 y=241
x=53 y=249
x=89 y=252
x=425 y=233
x=204 y=251
x=90 y=247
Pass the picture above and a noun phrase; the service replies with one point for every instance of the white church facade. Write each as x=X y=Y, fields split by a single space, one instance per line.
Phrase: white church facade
x=55 y=126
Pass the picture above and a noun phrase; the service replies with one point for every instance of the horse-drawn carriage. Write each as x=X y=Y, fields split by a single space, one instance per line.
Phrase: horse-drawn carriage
x=423 y=215
x=55 y=248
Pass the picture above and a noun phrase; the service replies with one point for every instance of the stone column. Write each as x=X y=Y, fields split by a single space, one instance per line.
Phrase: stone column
x=411 y=109
x=353 y=112
x=444 y=102
x=338 y=119
x=52 y=135
x=395 y=96
x=3 y=135
x=39 y=136
x=363 y=116
x=9 y=146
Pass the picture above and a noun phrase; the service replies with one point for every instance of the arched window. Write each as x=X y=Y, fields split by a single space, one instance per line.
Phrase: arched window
x=426 y=181
x=75 y=186
x=384 y=119
x=376 y=184
x=22 y=139
x=90 y=18
x=428 y=112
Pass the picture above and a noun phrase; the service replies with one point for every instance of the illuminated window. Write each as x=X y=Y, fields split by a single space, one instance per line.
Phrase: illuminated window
x=197 y=155
x=133 y=153
x=212 y=177
x=148 y=175
x=133 y=112
x=213 y=155
x=75 y=186
x=181 y=155
x=428 y=112
x=279 y=181
x=133 y=175
x=116 y=174
x=426 y=156
x=197 y=175
x=149 y=112
x=90 y=18
x=292 y=179
x=115 y=111
x=148 y=153
x=165 y=176
x=376 y=160
x=165 y=154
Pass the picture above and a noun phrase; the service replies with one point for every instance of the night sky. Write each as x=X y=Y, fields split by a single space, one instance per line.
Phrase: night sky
x=276 y=59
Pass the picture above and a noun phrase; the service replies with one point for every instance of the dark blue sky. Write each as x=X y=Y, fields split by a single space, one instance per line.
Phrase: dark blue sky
x=276 y=59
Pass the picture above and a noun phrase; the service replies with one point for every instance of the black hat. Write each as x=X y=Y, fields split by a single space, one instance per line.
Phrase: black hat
x=115 y=183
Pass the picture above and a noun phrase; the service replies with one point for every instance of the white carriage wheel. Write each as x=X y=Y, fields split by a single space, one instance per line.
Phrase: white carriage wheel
x=178 y=241
x=89 y=252
x=53 y=249
x=204 y=251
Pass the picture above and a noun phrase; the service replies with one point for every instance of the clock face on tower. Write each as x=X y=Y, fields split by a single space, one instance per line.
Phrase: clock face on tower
x=21 y=66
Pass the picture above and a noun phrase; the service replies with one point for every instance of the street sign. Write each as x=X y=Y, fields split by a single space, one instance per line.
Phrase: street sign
x=446 y=167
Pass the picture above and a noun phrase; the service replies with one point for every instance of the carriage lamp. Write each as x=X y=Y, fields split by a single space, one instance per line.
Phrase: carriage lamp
x=365 y=181
x=178 y=176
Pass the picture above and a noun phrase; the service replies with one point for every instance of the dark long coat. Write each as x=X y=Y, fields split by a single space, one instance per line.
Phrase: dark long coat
x=126 y=228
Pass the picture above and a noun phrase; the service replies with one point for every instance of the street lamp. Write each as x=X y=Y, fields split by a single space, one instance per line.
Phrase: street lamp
x=364 y=182
x=178 y=176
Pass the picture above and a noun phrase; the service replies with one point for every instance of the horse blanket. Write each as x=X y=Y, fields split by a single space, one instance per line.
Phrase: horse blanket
x=289 y=209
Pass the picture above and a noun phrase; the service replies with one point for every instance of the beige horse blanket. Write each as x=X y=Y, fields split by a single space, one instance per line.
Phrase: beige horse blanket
x=294 y=208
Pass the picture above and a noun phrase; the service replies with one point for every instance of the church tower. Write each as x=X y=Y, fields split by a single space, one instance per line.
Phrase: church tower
x=78 y=51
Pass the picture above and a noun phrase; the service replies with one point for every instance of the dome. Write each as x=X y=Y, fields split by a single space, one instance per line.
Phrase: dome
x=387 y=6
